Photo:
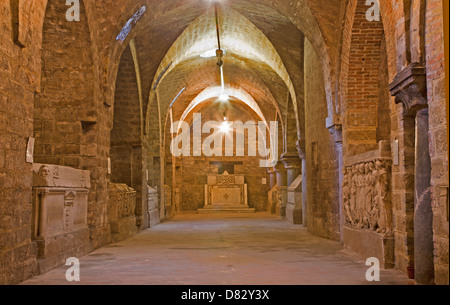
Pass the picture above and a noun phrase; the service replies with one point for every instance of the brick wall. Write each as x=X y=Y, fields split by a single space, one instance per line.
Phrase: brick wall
x=66 y=98
x=322 y=163
x=126 y=129
x=384 y=98
x=19 y=79
x=361 y=106
x=438 y=136
x=67 y=111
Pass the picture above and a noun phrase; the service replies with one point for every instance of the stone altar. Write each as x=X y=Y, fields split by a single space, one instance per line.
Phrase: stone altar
x=226 y=193
x=59 y=217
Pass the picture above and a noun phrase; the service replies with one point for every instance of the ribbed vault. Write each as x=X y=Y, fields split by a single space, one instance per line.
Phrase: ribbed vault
x=251 y=63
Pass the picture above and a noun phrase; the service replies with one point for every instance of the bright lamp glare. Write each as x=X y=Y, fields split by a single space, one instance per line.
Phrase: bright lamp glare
x=225 y=127
x=223 y=97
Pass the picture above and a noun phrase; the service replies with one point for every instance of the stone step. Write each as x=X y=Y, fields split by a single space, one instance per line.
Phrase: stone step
x=225 y=209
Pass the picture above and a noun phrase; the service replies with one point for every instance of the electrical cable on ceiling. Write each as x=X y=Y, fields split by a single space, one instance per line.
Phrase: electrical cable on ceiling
x=219 y=51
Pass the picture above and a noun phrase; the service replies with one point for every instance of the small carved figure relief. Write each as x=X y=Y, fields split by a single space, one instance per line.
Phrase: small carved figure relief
x=360 y=195
x=353 y=192
x=45 y=173
x=367 y=204
x=347 y=196
x=383 y=198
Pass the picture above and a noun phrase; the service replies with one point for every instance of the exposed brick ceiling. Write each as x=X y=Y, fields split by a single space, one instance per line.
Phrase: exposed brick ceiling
x=264 y=49
x=197 y=74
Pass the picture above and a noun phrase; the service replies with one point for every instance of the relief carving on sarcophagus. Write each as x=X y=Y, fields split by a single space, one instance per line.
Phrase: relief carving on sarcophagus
x=367 y=205
x=60 y=212
x=122 y=211
x=367 y=202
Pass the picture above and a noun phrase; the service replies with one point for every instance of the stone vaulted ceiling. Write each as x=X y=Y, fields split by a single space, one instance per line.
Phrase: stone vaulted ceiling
x=264 y=54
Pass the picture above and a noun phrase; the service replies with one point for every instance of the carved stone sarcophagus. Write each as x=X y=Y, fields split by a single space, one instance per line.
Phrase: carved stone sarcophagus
x=367 y=209
x=122 y=215
x=60 y=209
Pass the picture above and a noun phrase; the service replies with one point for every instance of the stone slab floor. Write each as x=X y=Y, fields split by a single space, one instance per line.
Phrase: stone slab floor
x=193 y=249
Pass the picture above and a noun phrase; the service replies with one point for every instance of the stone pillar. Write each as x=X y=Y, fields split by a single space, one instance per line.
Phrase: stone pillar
x=302 y=155
x=304 y=193
x=272 y=177
x=340 y=152
x=281 y=174
x=294 y=211
x=334 y=124
x=293 y=164
x=410 y=89
x=423 y=215
x=272 y=194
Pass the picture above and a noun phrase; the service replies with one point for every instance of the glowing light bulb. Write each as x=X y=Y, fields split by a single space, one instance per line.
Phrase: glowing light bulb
x=225 y=127
x=223 y=97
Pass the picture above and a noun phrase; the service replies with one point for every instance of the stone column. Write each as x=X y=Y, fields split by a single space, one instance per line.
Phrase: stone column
x=423 y=215
x=281 y=174
x=272 y=177
x=334 y=124
x=304 y=193
x=410 y=89
x=339 y=149
x=294 y=212
x=302 y=156
x=293 y=165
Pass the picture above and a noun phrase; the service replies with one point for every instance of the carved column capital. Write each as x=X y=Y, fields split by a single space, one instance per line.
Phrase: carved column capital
x=410 y=88
x=43 y=191
x=279 y=167
x=293 y=164
x=281 y=174
x=291 y=160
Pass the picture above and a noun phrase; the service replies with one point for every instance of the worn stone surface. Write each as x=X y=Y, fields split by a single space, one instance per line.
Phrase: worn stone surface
x=438 y=129
x=371 y=244
x=221 y=250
